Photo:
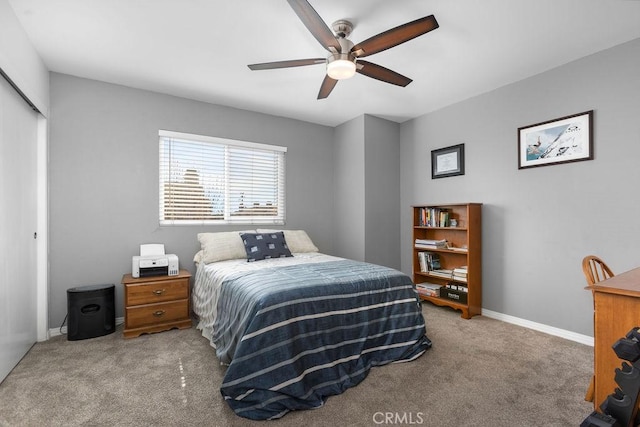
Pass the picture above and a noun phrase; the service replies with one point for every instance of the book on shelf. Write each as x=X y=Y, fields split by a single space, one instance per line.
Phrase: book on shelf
x=428 y=261
x=434 y=242
x=434 y=217
x=422 y=260
x=428 y=289
x=460 y=272
x=419 y=246
x=442 y=272
x=430 y=244
x=433 y=261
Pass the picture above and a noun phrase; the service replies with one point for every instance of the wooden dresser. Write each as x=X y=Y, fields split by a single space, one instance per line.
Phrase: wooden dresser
x=617 y=311
x=156 y=303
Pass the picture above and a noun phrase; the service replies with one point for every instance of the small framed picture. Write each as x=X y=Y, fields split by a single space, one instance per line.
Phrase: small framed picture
x=563 y=140
x=447 y=161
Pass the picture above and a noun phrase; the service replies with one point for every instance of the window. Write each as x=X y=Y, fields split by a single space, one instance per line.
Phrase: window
x=208 y=180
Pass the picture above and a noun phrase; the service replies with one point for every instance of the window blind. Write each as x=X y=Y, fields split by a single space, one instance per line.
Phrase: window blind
x=209 y=180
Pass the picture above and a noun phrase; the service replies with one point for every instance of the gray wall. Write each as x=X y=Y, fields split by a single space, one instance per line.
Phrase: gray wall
x=539 y=223
x=349 y=197
x=367 y=178
x=104 y=178
x=382 y=181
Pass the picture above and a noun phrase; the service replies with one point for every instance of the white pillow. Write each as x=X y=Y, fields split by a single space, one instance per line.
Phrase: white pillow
x=297 y=240
x=221 y=246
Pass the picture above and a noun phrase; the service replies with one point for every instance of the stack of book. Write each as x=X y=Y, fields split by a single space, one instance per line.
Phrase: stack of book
x=428 y=289
x=460 y=273
x=443 y=272
x=430 y=244
x=428 y=261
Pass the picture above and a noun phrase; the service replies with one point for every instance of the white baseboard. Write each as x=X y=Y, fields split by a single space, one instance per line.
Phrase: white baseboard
x=63 y=331
x=562 y=333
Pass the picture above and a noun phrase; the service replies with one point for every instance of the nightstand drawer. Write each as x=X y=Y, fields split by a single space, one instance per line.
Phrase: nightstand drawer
x=159 y=291
x=154 y=314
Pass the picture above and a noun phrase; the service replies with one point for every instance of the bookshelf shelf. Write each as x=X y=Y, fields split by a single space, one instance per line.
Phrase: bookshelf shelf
x=463 y=248
x=448 y=251
x=443 y=302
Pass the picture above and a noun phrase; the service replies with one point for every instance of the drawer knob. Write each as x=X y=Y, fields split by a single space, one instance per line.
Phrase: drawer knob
x=159 y=291
x=158 y=313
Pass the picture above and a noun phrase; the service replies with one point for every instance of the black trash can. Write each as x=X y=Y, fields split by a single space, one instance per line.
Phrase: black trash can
x=91 y=311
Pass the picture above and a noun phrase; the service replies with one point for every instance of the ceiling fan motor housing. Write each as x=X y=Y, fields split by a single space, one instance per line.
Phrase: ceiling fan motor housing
x=346 y=46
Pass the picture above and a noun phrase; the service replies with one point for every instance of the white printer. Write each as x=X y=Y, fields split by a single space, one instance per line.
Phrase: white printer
x=152 y=261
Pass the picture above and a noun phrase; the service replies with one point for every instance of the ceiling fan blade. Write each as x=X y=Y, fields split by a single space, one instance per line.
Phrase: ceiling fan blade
x=381 y=73
x=315 y=24
x=327 y=86
x=287 y=64
x=395 y=36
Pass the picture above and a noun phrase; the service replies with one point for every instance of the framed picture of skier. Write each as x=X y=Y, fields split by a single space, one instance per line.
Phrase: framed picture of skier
x=563 y=140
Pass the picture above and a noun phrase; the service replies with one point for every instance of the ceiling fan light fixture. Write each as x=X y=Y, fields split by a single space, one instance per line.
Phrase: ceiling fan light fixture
x=340 y=69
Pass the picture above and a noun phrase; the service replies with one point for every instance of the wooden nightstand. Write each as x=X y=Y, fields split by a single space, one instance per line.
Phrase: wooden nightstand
x=156 y=303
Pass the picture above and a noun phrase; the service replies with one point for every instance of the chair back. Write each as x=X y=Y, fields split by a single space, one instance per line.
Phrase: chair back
x=595 y=270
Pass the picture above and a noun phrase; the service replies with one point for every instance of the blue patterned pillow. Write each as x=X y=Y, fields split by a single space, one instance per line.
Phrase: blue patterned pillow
x=261 y=246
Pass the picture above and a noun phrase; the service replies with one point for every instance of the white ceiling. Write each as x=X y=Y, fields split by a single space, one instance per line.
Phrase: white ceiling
x=200 y=49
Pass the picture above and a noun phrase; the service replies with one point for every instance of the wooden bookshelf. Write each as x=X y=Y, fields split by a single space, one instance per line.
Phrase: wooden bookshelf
x=464 y=248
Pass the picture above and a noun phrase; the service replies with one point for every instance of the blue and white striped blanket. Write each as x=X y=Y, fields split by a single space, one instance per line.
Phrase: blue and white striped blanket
x=297 y=333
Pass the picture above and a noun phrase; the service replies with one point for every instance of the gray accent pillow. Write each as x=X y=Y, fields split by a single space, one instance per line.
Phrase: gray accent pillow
x=260 y=246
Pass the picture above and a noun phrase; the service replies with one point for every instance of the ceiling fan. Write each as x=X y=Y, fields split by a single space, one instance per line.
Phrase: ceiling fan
x=344 y=60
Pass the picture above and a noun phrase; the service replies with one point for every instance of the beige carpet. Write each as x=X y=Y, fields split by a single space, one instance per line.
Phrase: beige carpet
x=480 y=372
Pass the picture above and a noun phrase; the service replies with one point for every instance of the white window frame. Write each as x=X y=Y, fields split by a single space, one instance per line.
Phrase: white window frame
x=229 y=145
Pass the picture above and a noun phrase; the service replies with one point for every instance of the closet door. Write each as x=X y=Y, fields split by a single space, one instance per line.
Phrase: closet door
x=18 y=220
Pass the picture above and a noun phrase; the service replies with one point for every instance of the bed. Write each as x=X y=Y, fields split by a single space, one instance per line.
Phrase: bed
x=296 y=329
